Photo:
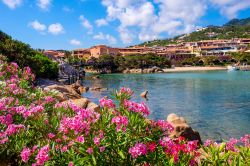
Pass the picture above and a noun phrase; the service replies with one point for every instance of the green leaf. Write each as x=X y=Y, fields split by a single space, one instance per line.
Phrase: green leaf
x=121 y=154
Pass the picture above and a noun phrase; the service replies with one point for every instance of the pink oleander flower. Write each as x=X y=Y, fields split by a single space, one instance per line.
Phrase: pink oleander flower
x=49 y=99
x=25 y=154
x=71 y=164
x=138 y=150
x=166 y=142
x=89 y=150
x=81 y=122
x=246 y=140
x=42 y=156
x=126 y=91
x=4 y=140
x=12 y=129
x=208 y=142
x=102 y=149
x=191 y=146
x=106 y=103
x=230 y=145
x=137 y=107
x=51 y=135
x=64 y=148
x=120 y=121
x=164 y=125
x=151 y=146
x=97 y=141
x=80 y=139
x=34 y=148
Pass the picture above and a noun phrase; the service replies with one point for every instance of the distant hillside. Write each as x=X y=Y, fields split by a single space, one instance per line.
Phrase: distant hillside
x=238 y=22
x=236 y=28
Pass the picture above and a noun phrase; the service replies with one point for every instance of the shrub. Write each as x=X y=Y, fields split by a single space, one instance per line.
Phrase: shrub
x=24 y=56
x=35 y=128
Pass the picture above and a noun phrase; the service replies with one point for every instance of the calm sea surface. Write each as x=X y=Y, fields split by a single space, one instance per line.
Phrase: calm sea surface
x=217 y=103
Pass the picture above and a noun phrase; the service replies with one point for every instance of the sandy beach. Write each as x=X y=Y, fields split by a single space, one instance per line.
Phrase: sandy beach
x=187 y=69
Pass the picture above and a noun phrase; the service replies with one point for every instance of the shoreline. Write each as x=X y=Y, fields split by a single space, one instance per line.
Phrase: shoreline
x=191 y=69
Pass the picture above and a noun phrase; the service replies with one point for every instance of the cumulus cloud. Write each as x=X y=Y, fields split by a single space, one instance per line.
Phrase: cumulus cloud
x=86 y=24
x=12 y=4
x=140 y=19
x=230 y=8
x=36 y=25
x=100 y=36
x=75 y=42
x=56 y=29
x=101 y=22
x=44 y=4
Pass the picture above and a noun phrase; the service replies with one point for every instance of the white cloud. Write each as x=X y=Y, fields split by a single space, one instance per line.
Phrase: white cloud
x=75 y=42
x=12 y=4
x=67 y=9
x=100 y=36
x=44 y=4
x=230 y=8
x=56 y=29
x=101 y=22
x=36 y=25
x=140 y=19
x=86 y=24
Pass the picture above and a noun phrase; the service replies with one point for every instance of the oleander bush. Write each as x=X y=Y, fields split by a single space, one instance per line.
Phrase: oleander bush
x=37 y=129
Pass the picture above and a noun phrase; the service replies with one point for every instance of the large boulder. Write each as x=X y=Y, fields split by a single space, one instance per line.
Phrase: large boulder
x=93 y=106
x=83 y=89
x=66 y=90
x=181 y=128
x=82 y=102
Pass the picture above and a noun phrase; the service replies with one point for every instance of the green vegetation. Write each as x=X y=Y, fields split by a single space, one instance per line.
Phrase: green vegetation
x=24 y=55
x=120 y=63
x=233 y=29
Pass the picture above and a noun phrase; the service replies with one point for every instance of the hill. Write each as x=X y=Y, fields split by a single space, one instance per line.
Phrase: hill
x=236 y=28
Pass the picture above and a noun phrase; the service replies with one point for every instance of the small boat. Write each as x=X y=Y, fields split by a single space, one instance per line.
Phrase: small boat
x=232 y=68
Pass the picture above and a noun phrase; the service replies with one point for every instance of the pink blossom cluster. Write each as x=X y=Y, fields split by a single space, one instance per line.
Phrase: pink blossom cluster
x=230 y=145
x=126 y=91
x=27 y=112
x=42 y=156
x=108 y=103
x=137 y=107
x=121 y=122
x=138 y=150
x=25 y=154
x=174 y=147
x=164 y=125
x=81 y=122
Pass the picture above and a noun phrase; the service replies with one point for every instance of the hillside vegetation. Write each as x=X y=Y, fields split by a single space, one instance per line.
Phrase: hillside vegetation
x=24 y=55
x=236 y=28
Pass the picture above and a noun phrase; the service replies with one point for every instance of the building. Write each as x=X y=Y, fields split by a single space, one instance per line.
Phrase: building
x=97 y=51
x=52 y=54
x=82 y=53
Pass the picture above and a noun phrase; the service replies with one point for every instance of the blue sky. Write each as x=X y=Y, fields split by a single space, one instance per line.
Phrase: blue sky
x=70 y=24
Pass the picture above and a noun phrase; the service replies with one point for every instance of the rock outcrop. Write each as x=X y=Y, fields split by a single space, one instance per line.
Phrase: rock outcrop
x=72 y=93
x=181 y=128
x=144 y=94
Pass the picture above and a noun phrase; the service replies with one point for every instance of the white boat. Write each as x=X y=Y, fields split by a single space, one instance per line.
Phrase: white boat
x=232 y=68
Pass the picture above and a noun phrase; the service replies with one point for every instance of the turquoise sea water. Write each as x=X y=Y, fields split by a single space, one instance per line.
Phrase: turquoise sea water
x=215 y=103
